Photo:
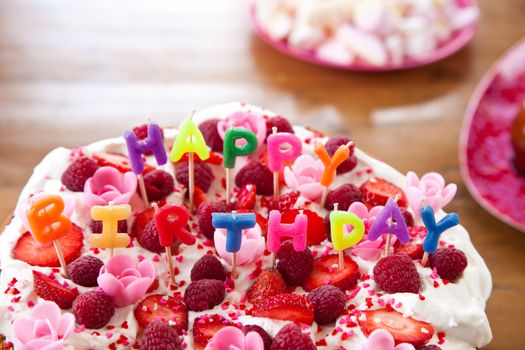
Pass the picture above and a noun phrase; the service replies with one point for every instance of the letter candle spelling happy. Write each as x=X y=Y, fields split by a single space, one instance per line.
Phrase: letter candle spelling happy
x=342 y=240
x=110 y=215
x=278 y=231
x=154 y=143
x=282 y=146
x=434 y=230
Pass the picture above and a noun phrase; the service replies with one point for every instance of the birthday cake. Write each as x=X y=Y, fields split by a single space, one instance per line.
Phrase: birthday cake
x=398 y=287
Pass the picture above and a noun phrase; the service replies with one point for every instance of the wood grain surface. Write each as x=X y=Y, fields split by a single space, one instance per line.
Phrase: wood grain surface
x=72 y=72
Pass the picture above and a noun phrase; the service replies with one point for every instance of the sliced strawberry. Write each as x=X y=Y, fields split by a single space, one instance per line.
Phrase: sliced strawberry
x=403 y=329
x=414 y=249
x=205 y=327
x=326 y=271
x=49 y=289
x=288 y=307
x=118 y=161
x=153 y=286
x=268 y=283
x=316 y=230
x=199 y=197
x=215 y=158
x=286 y=201
x=246 y=197
x=166 y=308
x=140 y=222
x=29 y=250
x=377 y=191
x=261 y=220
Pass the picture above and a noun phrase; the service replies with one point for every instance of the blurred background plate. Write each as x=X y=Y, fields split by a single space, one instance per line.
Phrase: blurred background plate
x=455 y=43
x=485 y=146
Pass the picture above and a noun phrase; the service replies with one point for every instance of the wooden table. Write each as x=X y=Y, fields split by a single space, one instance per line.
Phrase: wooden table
x=72 y=73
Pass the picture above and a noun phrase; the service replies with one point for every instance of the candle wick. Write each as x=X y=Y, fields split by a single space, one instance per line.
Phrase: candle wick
x=274 y=130
x=301 y=212
x=234 y=214
x=156 y=207
x=149 y=120
x=349 y=144
x=336 y=206
x=396 y=198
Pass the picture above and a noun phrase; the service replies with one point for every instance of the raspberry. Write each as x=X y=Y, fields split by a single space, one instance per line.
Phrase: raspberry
x=333 y=144
x=267 y=339
x=204 y=294
x=159 y=335
x=430 y=347
x=93 y=309
x=141 y=132
x=344 y=195
x=208 y=267
x=409 y=219
x=295 y=267
x=150 y=238
x=291 y=337
x=329 y=303
x=211 y=135
x=203 y=175
x=77 y=173
x=84 y=270
x=159 y=184
x=96 y=226
x=282 y=125
x=448 y=262
x=328 y=228
x=397 y=273
x=258 y=174
x=204 y=216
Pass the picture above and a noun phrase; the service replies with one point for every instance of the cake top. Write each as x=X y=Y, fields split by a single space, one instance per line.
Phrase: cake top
x=291 y=239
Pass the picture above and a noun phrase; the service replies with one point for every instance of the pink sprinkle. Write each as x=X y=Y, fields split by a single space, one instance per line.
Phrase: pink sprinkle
x=156 y=258
x=371 y=292
x=11 y=308
x=354 y=293
x=30 y=303
x=398 y=305
x=366 y=285
x=381 y=302
x=80 y=329
x=179 y=258
x=140 y=258
x=109 y=335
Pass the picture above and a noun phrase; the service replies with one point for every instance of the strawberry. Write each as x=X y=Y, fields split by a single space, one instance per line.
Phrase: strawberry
x=49 y=289
x=215 y=158
x=205 y=327
x=316 y=230
x=29 y=250
x=153 y=286
x=326 y=271
x=414 y=249
x=261 y=220
x=199 y=197
x=246 y=197
x=140 y=222
x=403 y=329
x=268 y=283
x=166 y=308
x=288 y=307
x=118 y=161
x=286 y=201
x=377 y=191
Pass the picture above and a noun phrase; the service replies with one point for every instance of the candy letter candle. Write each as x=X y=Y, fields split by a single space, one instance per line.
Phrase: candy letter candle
x=434 y=230
x=341 y=239
x=330 y=165
x=48 y=224
x=171 y=221
x=282 y=146
x=390 y=222
x=136 y=149
x=231 y=151
x=189 y=140
x=234 y=223
x=110 y=216
x=278 y=231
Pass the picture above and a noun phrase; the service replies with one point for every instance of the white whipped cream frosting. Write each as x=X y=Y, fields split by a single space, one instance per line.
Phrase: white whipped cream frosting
x=457 y=309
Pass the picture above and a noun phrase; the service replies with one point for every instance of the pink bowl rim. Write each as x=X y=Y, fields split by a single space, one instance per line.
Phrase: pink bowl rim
x=459 y=40
x=477 y=96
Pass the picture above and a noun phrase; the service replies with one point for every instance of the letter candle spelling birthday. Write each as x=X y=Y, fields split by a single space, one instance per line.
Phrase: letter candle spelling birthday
x=234 y=223
x=434 y=230
x=341 y=239
x=48 y=224
x=189 y=141
x=282 y=146
x=154 y=143
x=277 y=231
x=110 y=215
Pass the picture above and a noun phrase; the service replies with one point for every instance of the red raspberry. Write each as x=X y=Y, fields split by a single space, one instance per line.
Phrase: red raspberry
x=211 y=135
x=397 y=273
x=159 y=184
x=93 y=309
x=77 y=173
x=267 y=339
x=329 y=303
x=203 y=175
x=409 y=219
x=282 y=125
x=204 y=294
x=344 y=195
x=84 y=270
x=328 y=226
x=258 y=174
x=159 y=335
x=448 y=262
x=333 y=144
x=430 y=347
x=208 y=267
x=96 y=226
x=291 y=337
x=295 y=267
x=204 y=216
x=150 y=238
x=141 y=132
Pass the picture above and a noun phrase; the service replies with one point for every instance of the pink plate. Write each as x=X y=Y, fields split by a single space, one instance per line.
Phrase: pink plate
x=456 y=42
x=485 y=148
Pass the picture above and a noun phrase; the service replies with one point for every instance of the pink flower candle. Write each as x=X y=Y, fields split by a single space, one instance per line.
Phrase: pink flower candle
x=247 y=120
x=429 y=190
x=109 y=185
x=305 y=176
x=252 y=246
